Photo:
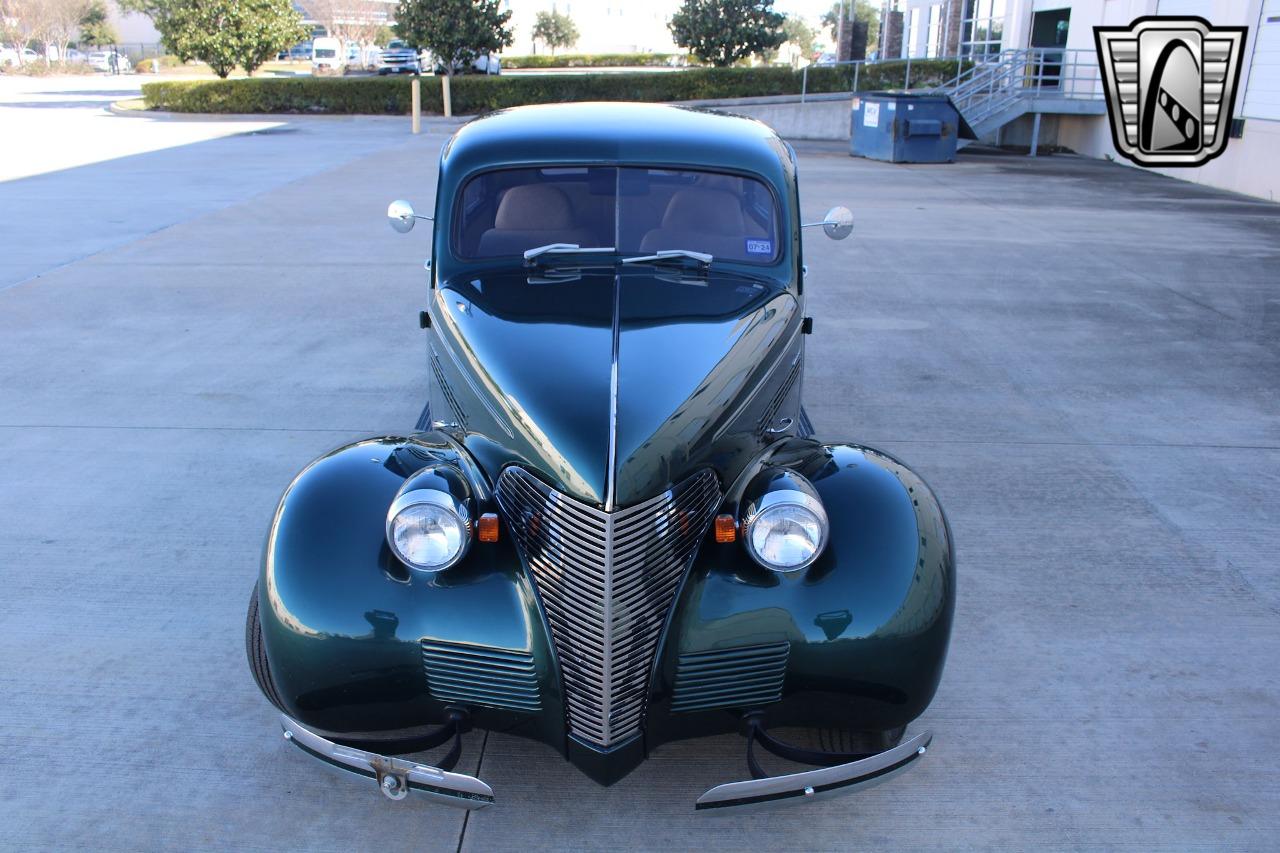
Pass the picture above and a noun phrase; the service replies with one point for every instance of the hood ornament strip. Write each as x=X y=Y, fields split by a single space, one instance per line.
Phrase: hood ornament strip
x=611 y=472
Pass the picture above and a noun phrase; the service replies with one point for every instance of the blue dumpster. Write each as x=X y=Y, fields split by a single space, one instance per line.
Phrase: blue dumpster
x=905 y=127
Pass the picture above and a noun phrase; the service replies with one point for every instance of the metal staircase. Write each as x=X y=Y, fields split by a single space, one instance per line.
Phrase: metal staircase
x=1037 y=80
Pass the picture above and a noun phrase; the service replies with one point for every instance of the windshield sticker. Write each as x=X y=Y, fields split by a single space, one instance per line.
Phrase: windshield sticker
x=759 y=247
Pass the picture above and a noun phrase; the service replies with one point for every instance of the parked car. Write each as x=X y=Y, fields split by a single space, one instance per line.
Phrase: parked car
x=486 y=64
x=328 y=56
x=399 y=58
x=10 y=58
x=111 y=61
x=612 y=526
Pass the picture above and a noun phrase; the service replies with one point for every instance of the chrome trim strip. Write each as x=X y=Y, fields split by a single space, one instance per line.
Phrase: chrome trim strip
x=395 y=777
x=813 y=783
x=611 y=474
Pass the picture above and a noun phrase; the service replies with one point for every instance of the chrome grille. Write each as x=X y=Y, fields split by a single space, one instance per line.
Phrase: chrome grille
x=607 y=582
x=479 y=675
x=730 y=678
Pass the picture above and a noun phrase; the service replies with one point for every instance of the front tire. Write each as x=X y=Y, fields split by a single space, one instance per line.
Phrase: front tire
x=257 y=653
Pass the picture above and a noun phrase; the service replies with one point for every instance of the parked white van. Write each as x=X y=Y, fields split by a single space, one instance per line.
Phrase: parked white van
x=328 y=56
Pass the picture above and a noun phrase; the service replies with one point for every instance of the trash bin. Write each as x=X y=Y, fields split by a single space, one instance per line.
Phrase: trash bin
x=905 y=127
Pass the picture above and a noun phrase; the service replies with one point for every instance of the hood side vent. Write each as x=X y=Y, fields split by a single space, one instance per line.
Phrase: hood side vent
x=775 y=405
x=480 y=675
x=730 y=678
x=459 y=414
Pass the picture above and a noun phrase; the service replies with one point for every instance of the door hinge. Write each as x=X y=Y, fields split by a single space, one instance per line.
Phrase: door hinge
x=806 y=326
x=424 y=320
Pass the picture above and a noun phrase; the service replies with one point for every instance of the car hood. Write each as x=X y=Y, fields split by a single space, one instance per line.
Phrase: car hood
x=539 y=348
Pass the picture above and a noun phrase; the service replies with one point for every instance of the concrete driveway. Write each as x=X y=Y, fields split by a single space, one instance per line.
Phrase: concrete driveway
x=1082 y=359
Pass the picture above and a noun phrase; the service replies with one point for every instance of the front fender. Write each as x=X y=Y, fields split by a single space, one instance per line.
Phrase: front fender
x=857 y=640
x=346 y=625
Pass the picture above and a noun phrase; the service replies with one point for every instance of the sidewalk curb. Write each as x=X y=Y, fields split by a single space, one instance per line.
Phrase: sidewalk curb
x=114 y=108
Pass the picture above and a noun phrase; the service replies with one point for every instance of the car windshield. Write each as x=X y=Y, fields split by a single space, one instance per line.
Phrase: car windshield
x=325 y=53
x=638 y=211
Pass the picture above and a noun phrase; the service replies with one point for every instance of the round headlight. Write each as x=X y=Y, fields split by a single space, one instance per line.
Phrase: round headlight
x=785 y=530
x=428 y=529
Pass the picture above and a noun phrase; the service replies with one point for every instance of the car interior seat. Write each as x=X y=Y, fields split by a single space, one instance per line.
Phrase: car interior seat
x=531 y=215
x=705 y=220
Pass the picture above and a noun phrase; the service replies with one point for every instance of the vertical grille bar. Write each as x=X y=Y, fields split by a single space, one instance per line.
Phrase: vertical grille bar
x=607 y=581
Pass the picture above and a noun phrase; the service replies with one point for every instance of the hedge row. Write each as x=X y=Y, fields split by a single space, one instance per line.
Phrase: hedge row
x=591 y=60
x=389 y=95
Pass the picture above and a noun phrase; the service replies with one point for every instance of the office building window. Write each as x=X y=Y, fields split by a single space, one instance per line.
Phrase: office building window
x=933 y=47
x=982 y=28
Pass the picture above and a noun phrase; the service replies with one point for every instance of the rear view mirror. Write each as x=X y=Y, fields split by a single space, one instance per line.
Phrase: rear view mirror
x=401 y=216
x=838 y=223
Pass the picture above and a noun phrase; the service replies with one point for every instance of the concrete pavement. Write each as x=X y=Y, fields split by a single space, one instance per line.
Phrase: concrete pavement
x=1080 y=357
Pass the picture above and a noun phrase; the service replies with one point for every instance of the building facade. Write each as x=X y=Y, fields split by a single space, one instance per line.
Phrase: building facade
x=981 y=29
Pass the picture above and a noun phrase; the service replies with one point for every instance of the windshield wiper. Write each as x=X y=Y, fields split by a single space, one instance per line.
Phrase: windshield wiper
x=672 y=254
x=563 y=249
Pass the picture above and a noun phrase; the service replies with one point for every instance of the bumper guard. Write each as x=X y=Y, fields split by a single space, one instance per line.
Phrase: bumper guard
x=809 y=784
x=396 y=777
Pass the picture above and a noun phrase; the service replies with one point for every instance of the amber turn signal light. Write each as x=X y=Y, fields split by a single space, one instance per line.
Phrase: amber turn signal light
x=726 y=528
x=487 y=529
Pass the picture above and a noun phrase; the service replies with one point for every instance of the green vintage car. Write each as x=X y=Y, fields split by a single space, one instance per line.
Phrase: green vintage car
x=612 y=526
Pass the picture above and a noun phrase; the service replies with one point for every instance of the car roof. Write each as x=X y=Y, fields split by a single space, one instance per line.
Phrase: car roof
x=617 y=132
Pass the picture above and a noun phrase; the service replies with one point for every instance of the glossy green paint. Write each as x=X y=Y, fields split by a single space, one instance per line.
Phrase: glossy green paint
x=868 y=623
x=708 y=375
x=524 y=372
x=343 y=619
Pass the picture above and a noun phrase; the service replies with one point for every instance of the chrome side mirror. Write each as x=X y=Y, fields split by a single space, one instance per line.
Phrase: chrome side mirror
x=838 y=223
x=401 y=216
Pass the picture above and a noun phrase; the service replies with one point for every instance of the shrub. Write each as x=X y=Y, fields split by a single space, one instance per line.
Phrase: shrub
x=592 y=60
x=143 y=66
x=388 y=95
x=40 y=68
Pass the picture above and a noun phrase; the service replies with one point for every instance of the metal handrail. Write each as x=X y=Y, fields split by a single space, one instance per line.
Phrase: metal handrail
x=991 y=87
x=993 y=84
x=857 y=65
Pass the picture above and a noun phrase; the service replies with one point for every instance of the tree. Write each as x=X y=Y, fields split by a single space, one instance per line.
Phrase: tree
x=63 y=24
x=95 y=28
x=50 y=23
x=356 y=21
x=555 y=30
x=862 y=11
x=224 y=33
x=11 y=31
x=721 y=32
x=454 y=31
x=799 y=33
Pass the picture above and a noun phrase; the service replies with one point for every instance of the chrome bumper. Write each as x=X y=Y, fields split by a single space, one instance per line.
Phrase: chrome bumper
x=395 y=777
x=810 y=784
